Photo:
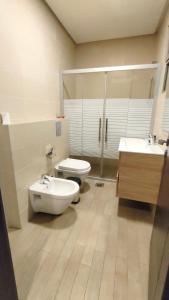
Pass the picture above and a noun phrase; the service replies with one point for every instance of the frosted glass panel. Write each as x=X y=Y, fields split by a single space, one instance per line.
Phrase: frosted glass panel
x=73 y=111
x=126 y=118
x=116 y=118
x=165 y=121
x=139 y=118
x=92 y=127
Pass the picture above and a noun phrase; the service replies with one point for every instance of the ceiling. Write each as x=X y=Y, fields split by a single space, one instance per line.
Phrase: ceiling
x=93 y=20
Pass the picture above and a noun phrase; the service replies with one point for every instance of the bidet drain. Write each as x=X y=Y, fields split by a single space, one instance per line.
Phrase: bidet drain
x=99 y=184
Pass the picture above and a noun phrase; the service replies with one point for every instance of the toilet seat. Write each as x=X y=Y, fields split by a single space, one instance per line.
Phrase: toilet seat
x=74 y=165
x=73 y=168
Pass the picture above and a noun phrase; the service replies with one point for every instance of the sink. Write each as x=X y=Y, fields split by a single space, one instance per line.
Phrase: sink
x=137 y=145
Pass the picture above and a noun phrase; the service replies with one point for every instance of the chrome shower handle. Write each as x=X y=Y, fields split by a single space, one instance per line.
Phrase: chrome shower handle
x=106 y=134
x=100 y=125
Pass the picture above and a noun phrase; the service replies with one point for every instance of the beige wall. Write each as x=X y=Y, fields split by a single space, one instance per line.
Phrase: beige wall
x=7 y=180
x=23 y=157
x=137 y=50
x=162 y=47
x=34 y=48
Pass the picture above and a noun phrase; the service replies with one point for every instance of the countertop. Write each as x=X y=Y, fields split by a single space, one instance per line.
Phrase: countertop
x=137 y=145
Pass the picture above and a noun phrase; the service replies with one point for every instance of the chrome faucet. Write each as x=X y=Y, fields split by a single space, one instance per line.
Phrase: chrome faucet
x=44 y=178
x=150 y=139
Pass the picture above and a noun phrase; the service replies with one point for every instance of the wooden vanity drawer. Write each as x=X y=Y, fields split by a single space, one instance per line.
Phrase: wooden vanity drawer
x=136 y=160
x=139 y=176
x=133 y=190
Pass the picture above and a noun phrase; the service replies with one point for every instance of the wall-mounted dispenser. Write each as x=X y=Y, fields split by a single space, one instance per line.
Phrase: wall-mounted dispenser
x=5 y=118
x=49 y=151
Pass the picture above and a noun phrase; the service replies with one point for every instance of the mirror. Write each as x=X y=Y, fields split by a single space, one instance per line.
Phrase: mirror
x=165 y=120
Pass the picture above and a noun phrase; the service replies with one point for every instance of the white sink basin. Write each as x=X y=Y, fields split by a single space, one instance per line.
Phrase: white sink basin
x=139 y=146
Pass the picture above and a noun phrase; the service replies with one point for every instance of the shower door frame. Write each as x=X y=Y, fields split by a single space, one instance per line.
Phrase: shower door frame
x=106 y=70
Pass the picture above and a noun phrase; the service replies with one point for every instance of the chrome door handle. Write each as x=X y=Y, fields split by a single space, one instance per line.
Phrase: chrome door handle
x=100 y=125
x=106 y=134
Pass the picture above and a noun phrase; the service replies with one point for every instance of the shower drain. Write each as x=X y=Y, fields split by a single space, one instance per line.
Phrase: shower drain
x=99 y=184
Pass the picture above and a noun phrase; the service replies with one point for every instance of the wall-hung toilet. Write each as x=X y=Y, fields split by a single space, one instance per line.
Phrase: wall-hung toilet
x=53 y=195
x=73 y=168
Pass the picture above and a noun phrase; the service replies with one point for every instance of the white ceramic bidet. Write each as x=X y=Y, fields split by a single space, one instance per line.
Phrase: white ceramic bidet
x=52 y=195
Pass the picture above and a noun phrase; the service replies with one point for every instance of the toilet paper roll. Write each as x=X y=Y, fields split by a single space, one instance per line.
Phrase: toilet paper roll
x=5 y=118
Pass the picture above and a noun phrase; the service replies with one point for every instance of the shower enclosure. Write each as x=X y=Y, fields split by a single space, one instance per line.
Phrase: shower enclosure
x=103 y=105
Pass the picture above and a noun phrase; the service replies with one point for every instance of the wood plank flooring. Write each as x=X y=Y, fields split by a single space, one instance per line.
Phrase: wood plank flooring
x=97 y=250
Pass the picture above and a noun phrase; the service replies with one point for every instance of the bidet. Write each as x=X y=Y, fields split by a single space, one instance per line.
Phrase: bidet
x=54 y=196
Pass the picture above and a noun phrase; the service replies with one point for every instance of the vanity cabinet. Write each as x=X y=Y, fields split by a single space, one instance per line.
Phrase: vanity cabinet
x=139 y=176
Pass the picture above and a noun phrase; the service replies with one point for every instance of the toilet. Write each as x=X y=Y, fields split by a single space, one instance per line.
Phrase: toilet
x=73 y=168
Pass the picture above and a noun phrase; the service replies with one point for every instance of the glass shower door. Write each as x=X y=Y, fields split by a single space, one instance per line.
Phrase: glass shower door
x=102 y=108
x=116 y=114
x=115 y=127
x=128 y=112
x=93 y=93
x=83 y=106
x=73 y=110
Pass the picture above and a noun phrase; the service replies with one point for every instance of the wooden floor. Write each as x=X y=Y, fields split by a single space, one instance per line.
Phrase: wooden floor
x=98 y=249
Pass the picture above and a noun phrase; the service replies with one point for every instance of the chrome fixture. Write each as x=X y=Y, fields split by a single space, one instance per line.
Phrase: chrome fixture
x=44 y=179
x=150 y=139
x=50 y=153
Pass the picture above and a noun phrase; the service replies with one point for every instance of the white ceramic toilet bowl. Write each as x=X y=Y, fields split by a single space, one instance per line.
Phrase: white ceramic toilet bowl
x=53 y=195
x=73 y=168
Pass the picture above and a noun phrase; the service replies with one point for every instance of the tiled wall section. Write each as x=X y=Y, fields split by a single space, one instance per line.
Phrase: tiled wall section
x=7 y=180
x=28 y=147
x=34 y=48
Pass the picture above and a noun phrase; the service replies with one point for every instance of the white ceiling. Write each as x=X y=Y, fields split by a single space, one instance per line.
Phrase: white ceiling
x=93 y=20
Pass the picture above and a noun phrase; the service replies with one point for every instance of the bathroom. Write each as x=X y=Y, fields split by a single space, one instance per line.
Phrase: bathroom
x=84 y=122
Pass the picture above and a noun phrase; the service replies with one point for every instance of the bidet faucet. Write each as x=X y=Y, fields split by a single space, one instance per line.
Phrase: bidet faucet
x=44 y=178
